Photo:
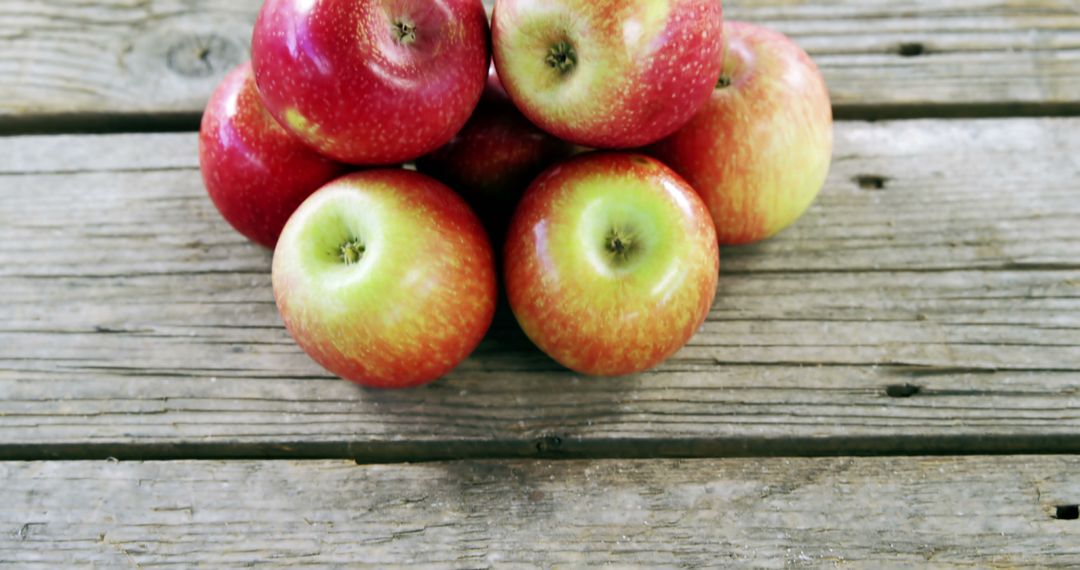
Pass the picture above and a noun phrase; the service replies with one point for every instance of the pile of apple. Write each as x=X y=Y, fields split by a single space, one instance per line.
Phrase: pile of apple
x=386 y=275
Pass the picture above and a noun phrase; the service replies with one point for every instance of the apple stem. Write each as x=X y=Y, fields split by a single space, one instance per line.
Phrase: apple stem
x=620 y=244
x=404 y=32
x=351 y=252
x=562 y=57
x=724 y=81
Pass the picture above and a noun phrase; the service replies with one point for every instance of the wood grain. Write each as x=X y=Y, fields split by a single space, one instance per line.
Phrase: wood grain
x=120 y=64
x=873 y=513
x=938 y=313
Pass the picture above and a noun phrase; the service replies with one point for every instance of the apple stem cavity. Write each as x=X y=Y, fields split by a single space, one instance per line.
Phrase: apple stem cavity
x=562 y=57
x=724 y=82
x=351 y=252
x=620 y=244
x=404 y=32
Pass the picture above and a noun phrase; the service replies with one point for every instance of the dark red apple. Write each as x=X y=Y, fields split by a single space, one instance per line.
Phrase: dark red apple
x=256 y=173
x=494 y=158
x=371 y=81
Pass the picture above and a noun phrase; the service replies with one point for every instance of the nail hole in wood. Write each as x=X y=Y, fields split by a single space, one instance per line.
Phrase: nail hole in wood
x=1067 y=512
x=548 y=444
x=902 y=390
x=912 y=49
x=871 y=181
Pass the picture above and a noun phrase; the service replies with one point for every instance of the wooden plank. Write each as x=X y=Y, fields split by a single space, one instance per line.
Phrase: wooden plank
x=117 y=64
x=938 y=313
x=888 y=512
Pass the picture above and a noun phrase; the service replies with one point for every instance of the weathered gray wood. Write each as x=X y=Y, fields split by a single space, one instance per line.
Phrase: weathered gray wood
x=864 y=513
x=134 y=322
x=109 y=63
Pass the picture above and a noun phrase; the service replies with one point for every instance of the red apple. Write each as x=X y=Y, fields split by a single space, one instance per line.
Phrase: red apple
x=759 y=151
x=255 y=172
x=494 y=158
x=608 y=73
x=371 y=81
x=385 y=278
x=610 y=263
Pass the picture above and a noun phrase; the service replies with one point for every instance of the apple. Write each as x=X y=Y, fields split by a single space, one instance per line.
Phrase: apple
x=611 y=263
x=759 y=151
x=371 y=82
x=608 y=73
x=385 y=278
x=256 y=173
x=494 y=158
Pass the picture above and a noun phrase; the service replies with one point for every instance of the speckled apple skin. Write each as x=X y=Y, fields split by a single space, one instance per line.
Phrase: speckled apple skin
x=759 y=151
x=494 y=158
x=585 y=314
x=644 y=66
x=418 y=302
x=256 y=173
x=334 y=73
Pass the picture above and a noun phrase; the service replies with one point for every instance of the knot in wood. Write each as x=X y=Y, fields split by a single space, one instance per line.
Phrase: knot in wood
x=202 y=55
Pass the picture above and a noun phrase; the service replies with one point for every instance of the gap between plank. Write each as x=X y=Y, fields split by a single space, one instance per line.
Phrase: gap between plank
x=99 y=123
x=120 y=123
x=556 y=446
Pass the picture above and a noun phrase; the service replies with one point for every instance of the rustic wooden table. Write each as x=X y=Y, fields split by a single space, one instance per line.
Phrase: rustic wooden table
x=893 y=381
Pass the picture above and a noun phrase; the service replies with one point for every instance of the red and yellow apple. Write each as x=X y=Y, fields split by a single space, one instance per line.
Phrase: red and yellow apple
x=256 y=173
x=759 y=151
x=371 y=81
x=494 y=158
x=611 y=263
x=385 y=278
x=608 y=73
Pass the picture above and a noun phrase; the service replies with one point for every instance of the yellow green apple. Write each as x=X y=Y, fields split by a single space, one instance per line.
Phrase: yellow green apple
x=608 y=73
x=385 y=278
